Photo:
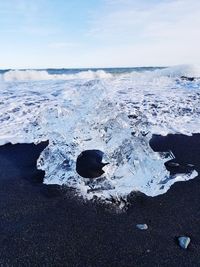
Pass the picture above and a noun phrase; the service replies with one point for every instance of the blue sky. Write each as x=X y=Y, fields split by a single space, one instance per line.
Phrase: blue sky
x=98 y=33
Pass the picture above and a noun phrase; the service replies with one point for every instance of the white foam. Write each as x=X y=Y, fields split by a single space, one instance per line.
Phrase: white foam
x=90 y=111
x=181 y=70
x=163 y=74
x=43 y=75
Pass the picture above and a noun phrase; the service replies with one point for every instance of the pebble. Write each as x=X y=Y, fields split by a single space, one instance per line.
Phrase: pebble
x=142 y=226
x=184 y=241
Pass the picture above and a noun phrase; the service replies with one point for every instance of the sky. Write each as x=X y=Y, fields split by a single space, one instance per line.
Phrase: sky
x=98 y=33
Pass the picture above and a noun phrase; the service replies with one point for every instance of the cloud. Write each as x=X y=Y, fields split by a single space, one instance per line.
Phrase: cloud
x=146 y=20
x=165 y=29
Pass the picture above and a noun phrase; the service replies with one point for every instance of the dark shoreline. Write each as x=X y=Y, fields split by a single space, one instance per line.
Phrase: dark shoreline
x=44 y=225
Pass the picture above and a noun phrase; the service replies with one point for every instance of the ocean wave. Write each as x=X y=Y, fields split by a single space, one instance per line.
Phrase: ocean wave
x=137 y=73
x=164 y=73
x=181 y=70
x=42 y=75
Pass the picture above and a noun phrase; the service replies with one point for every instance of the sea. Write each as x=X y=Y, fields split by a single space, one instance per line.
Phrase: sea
x=115 y=110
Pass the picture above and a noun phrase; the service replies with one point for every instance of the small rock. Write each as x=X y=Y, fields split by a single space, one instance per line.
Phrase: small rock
x=142 y=226
x=184 y=241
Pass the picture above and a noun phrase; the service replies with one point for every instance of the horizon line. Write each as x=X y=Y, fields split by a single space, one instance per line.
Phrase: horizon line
x=83 y=68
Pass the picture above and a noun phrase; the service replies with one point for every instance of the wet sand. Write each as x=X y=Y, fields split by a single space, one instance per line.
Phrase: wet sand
x=44 y=225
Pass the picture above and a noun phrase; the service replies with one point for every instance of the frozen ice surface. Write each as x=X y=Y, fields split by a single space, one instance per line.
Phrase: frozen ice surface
x=114 y=113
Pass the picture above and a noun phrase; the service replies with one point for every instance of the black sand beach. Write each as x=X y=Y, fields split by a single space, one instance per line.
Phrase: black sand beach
x=44 y=225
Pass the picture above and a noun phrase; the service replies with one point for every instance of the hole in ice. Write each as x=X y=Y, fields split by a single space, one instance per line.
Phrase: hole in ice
x=89 y=164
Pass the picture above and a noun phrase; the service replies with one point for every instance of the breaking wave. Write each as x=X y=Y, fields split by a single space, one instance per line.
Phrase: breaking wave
x=42 y=75
x=115 y=112
x=143 y=73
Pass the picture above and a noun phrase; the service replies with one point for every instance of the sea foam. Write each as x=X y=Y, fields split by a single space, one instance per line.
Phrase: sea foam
x=42 y=75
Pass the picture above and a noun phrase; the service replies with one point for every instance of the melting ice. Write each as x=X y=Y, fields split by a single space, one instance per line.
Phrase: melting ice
x=113 y=111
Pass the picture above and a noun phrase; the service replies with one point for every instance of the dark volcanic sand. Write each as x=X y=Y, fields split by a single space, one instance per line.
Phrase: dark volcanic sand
x=45 y=226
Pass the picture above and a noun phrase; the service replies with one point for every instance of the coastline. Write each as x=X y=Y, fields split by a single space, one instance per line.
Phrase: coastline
x=45 y=225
